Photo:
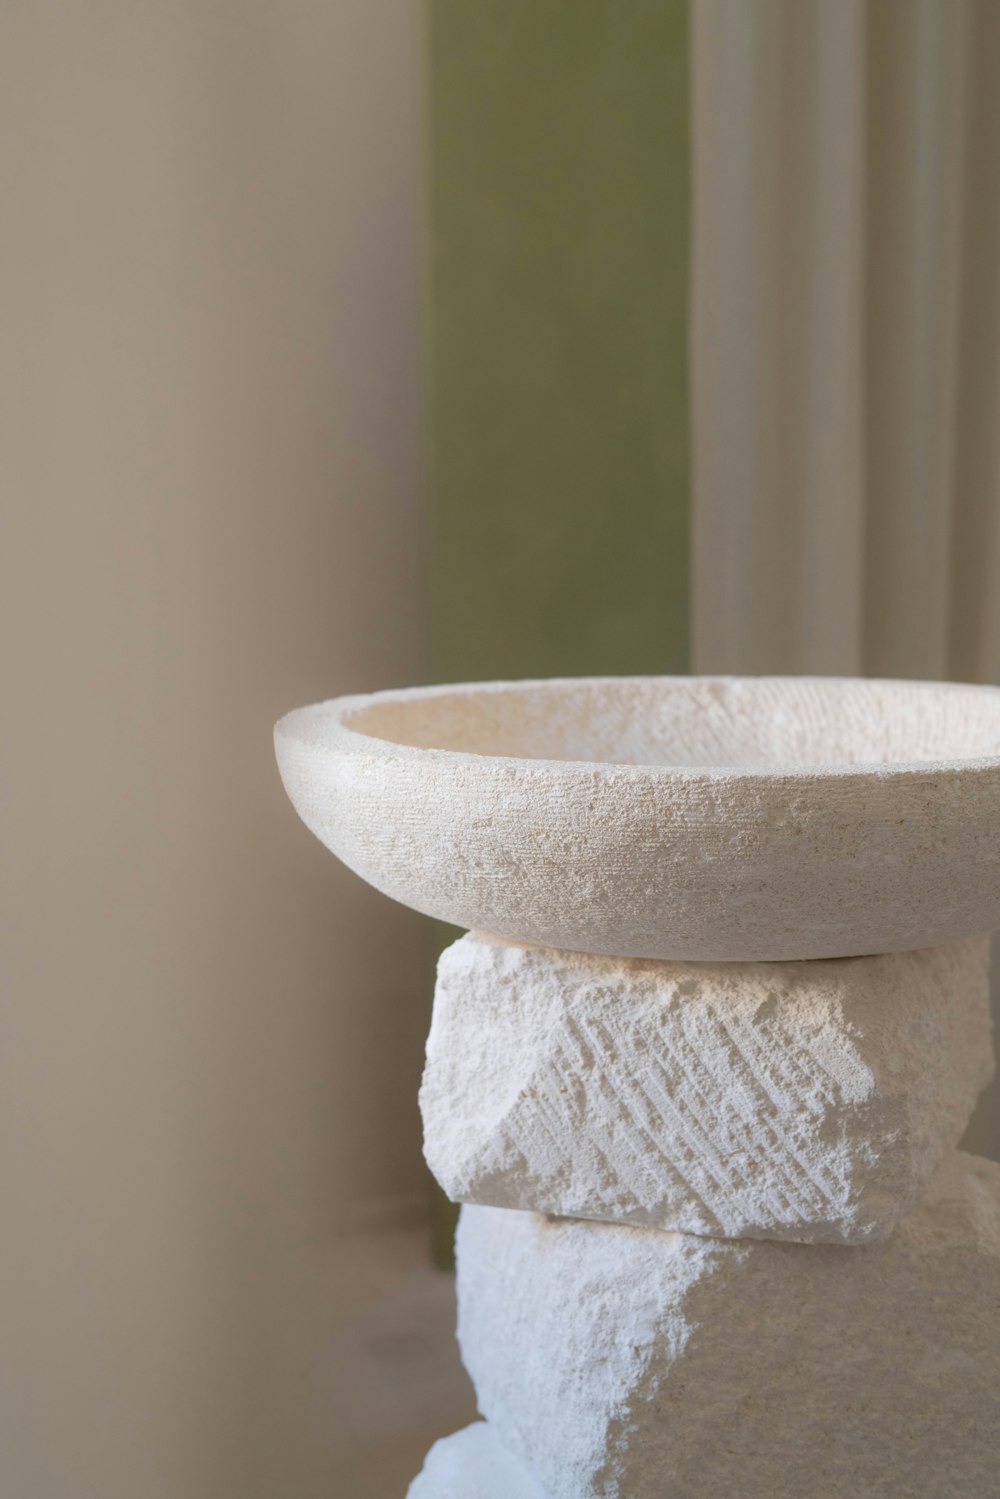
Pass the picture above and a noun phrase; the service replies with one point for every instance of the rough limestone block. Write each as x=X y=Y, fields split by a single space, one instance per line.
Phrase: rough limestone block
x=473 y=1464
x=710 y=818
x=804 y=1101
x=628 y=1363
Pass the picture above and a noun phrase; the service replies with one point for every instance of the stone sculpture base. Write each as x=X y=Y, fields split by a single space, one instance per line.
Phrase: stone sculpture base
x=630 y=1363
x=638 y=1143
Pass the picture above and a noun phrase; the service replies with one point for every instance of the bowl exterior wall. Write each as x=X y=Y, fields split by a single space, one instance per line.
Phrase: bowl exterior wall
x=637 y=861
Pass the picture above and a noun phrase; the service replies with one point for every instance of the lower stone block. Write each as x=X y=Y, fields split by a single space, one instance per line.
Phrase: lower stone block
x=628 y=1363
x=801 y=1101
x=473 y=1464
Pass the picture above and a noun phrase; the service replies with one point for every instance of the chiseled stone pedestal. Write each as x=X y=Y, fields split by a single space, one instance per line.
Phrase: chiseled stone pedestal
x=629 y=1363
x=652 y=1334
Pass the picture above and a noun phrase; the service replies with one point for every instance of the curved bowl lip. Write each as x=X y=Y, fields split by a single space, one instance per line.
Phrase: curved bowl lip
x=339 y=738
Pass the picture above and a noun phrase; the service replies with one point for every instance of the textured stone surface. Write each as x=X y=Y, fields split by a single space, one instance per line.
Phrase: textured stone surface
x=807 y=1101
x=628 y=1363
x=667 y=817
x=473 y=1464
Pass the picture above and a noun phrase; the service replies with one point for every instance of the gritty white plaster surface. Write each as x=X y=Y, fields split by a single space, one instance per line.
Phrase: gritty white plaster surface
x=473 y=1464
x=803 y=1101
x=628 y=1363
x=667 y=817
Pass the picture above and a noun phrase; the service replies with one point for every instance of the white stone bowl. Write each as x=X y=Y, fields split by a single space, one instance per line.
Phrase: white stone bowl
x=720 y=818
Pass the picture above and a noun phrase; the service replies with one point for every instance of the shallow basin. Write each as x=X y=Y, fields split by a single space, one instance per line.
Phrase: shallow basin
x=723 y=818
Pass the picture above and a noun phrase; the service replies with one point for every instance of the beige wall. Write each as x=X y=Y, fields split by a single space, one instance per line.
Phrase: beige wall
x=211 y=1034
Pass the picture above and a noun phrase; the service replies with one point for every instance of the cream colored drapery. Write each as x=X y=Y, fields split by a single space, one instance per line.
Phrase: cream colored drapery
x=846 y=337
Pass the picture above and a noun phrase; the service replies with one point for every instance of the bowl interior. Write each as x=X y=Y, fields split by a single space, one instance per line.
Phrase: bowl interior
x=751 y=723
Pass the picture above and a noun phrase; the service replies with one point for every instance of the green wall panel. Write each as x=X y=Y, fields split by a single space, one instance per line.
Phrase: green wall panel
x=557 y=291
x=557 y=297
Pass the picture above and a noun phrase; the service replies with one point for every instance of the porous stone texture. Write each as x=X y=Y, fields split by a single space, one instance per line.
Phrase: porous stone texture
x=803 y=1101
x=628 y=1363
x=704 y=818
x=473 y=1464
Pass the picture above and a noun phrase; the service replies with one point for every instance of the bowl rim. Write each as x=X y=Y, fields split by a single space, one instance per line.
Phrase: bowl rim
x=339 y=738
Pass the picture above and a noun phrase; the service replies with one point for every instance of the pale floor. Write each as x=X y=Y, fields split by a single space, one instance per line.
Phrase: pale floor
x=387 y=1380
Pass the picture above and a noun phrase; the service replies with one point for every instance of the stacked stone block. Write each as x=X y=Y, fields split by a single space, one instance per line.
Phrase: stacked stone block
x=716 y=1237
